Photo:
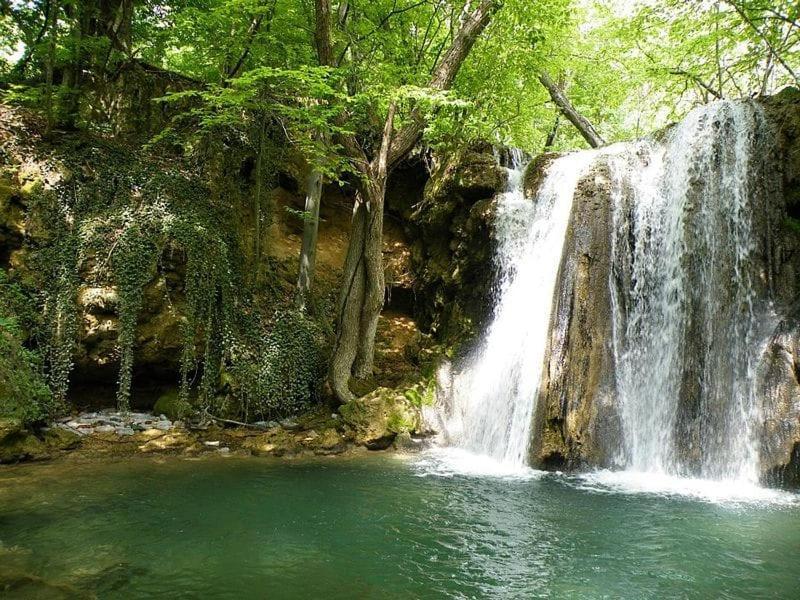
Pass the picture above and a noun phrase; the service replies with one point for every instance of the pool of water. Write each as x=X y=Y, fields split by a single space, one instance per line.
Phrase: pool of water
x=435 y=526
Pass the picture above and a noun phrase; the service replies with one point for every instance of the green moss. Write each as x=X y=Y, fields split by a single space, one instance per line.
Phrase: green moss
x=172 y=405
x=793 y=224
x=399 y=422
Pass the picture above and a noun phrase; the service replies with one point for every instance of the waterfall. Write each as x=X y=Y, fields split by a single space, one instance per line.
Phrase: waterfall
x=686 y=325
x=489 y=400
x=687 y=301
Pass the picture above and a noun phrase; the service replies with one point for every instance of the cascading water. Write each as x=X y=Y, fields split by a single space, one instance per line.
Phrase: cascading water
x=689 y=309
x=489 y=401
x=686 y=325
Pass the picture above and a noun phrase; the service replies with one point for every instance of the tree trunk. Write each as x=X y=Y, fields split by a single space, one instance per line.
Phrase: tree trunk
x=308 y=252
x=362 y=293
x=361 y=298
x=52 y=23
x=350 y=305
x=551 y=137
x=580 y=122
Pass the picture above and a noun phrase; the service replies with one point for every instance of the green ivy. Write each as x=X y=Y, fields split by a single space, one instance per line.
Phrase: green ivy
x=24 y=394
x=121 y=223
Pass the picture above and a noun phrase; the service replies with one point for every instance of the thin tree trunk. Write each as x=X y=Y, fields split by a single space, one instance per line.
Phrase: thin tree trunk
x=257 y=200
x=363 y=285
x=308 y=252
x=580 y=122
x=52 y=22
x=551 y=137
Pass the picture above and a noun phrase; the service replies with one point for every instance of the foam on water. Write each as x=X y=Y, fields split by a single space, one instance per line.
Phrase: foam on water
x=486 y=403
x=661 y=484
x=450 y=462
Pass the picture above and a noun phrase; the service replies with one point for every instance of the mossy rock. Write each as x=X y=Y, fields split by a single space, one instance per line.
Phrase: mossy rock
x=375 y=420
x=18 y=444
x=172 y=406
x=58 y=439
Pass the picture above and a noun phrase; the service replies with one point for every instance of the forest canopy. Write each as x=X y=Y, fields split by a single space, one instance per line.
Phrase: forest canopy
x=629 y=67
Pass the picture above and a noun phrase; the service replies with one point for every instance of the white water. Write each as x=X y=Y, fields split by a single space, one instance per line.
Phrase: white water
x=686 y=339
x=488 y=402
x=687 y=330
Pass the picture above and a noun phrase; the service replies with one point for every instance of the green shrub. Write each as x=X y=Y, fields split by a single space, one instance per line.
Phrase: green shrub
x=24 y=395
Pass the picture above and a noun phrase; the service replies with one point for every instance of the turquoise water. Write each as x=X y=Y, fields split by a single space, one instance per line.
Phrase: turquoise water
x=378 y=527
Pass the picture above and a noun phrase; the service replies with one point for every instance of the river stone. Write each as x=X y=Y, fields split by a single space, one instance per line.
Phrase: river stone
x=124 y=431
x=163 y=425
x=104 y=429
x=290 y=424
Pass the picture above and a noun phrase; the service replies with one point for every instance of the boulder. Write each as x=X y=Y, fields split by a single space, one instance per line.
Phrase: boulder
x=172 y=406
x=375 y=420
x=18 y=443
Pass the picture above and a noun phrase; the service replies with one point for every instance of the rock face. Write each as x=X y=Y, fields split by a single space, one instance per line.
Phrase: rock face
x=575 y=417
x=452 y=250
x=779 y=376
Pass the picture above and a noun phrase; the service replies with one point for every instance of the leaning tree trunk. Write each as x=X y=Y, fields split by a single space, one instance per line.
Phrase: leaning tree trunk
x=375 y=284
x=350 y=305
x=362 y=293
x=581 y=123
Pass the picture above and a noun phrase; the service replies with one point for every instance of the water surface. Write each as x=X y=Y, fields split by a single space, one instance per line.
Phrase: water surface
x=380 y=527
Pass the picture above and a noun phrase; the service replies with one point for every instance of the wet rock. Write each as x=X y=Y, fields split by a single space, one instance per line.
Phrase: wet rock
x=406 y=443
x=18 y=443
x=575 y=421
x=328 y=442
x=452 y=254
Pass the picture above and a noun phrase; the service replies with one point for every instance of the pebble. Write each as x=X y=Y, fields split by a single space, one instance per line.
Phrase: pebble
x=224 y=450
x=108 y=420
x=211 y=444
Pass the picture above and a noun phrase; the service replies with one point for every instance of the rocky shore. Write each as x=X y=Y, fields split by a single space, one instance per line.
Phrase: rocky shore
x=382 y=420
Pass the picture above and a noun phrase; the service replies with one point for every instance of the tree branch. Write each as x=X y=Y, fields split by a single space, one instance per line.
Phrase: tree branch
x=251 y=35
x=763 y=37
x=443 y=76
x=580 y=122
